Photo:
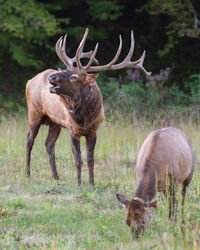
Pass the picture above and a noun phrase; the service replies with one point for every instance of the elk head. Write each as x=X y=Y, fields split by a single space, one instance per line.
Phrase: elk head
x=137 y=216
x=71 y=81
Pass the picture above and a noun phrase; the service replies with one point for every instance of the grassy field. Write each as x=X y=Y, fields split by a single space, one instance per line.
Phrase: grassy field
x=40 y=213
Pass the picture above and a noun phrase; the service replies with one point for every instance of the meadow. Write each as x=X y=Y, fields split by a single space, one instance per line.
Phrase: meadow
x=41 y=213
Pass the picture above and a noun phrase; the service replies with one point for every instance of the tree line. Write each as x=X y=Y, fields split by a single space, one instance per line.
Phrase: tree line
x=169 y=31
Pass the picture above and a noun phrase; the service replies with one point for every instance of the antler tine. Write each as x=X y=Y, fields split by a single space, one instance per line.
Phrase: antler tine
x=112 y=61
x=60 y=45
x=88 y=55
x=92 y=57
x=68 y=61
x=80 y=49
x=125 y=63
x=117 y=54
x=130 y=53
x=58 y=48
x=140 y=64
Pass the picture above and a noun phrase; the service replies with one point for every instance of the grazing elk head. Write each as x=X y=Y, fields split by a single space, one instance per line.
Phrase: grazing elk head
x=137 y=216
x=71 y=82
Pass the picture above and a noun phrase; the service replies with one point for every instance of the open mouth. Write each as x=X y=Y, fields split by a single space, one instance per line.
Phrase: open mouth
x=54 y=89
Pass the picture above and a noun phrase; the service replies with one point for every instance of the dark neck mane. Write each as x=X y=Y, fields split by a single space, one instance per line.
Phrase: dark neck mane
x=88 y=107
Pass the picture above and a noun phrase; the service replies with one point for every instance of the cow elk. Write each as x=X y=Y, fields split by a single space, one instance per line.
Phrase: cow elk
x=165 y=160
x=71 y=99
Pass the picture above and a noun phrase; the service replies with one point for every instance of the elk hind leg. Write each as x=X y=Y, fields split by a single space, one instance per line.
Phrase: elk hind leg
x=32 y=133
x=54 y=131
x=183 y=191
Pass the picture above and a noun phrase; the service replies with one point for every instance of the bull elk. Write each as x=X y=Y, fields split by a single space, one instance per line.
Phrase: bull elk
x=71 y=99
x=165 y=160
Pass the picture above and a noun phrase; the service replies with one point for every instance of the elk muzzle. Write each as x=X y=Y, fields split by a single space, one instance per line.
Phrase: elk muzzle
x=55 y=89
x=53 y=78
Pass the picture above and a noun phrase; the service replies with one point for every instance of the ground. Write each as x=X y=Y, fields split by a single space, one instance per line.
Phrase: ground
x=39 y=212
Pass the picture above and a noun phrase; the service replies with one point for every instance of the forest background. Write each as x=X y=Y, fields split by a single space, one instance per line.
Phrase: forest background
x=169 y=31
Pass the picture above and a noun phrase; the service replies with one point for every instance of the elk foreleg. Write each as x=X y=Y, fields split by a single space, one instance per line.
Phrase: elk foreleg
x=90 y=145
x=75 y=143
x=54 y=131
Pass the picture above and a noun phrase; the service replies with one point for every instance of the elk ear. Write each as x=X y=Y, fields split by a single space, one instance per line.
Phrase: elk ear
x=73 y=78
x=151 y=204
x=91 y=77
x=122 y=199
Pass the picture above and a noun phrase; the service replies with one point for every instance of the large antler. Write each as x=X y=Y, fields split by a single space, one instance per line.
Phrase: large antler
x=126 y=63
x=69 y=62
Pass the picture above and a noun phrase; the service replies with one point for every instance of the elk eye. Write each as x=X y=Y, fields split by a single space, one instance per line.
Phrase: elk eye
x=73 y=78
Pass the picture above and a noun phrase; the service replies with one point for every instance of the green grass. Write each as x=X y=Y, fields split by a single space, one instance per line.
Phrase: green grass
x=41 y=213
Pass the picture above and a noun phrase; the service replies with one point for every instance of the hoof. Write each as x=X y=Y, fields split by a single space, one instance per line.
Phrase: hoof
x=56 y=177
x=92 y=184
x=28 y=174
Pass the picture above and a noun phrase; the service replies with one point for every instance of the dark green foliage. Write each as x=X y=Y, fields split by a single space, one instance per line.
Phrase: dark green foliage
x=193 y=87
x=104 y=10
x=107 y=85
x=142 y=100
x=25 y=25
x=176 y=96
x=184 y=20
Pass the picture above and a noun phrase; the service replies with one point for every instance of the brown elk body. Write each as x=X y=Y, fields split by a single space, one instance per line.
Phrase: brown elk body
x=71 y=99
x=50 y=109
x=165 y=160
